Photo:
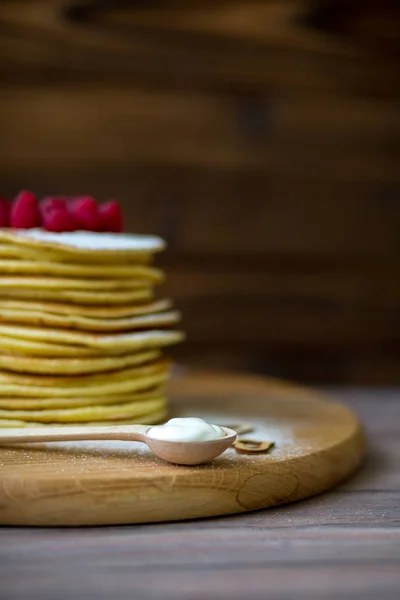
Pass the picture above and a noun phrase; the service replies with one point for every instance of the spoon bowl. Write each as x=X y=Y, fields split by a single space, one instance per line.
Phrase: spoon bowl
x=191 y=453
x=180 y=453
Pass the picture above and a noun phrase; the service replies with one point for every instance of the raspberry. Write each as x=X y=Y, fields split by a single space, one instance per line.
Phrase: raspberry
x=58 y=219
x=85 y=213
x=4 y=212
x=25 y=212
x=50 y=203
x=110 y=216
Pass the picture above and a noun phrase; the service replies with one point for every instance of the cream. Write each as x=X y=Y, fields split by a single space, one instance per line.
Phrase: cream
x=186 y=430
x=90 y=240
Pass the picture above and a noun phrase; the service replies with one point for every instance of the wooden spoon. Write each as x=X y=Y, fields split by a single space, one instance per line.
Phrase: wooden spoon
x=180 y=453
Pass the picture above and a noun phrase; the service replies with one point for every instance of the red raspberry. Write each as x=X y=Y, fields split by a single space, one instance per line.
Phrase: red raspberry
x=58 y=220
x=110 y=216
x=50 y=203
x=4 y=212
x=25 y=212
x=85 y=213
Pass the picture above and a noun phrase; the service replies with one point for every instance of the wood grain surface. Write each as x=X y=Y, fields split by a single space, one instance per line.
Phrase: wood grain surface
x=317 y=444
x=345 y=543
x=259 y=138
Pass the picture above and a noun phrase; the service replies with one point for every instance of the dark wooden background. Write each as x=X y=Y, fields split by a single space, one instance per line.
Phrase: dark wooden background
x=260 y=138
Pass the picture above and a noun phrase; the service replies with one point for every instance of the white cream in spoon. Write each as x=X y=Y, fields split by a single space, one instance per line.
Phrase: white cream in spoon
x=186 y=430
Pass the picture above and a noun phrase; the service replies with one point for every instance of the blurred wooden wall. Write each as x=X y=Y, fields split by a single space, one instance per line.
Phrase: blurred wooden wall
x=260 y=138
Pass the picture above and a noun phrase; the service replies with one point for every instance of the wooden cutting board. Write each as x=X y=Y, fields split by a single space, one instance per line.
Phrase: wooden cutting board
x=318 y=443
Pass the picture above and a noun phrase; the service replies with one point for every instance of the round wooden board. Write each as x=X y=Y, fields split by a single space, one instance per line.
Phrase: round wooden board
x=318 y=443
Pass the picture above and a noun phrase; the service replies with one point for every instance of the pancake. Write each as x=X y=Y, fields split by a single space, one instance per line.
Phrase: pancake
x=36 y=319
x=32 y=267
x=83 y=388
x=80 y=297
x=81 y=337
x=74 y=366
x=32 y=348
x=85 y=244
x=129 y=410
x=118 y=341
x=149 y=418
x=157 y=366
x=12 y=251
x=46 y=403
x=94 y=312
x=68 y=283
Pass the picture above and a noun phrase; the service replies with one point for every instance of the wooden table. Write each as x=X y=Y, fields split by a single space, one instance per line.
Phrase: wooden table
x=343 y=544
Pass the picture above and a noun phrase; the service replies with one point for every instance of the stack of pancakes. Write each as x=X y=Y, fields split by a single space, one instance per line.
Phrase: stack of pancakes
x=81 y=335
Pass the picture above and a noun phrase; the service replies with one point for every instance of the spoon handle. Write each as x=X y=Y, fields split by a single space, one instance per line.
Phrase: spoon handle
x=67 y=434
